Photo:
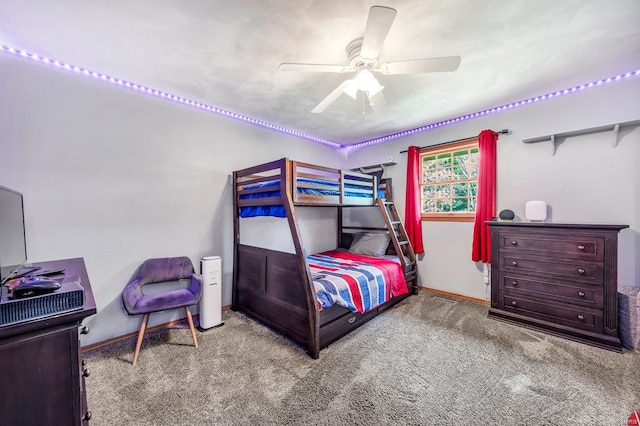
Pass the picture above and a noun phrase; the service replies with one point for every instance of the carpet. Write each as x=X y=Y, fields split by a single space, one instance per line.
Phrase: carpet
x=430 y=360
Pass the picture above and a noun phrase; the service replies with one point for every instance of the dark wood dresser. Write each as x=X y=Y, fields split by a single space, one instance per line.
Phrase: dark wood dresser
x=560 y=278
x=42 y=376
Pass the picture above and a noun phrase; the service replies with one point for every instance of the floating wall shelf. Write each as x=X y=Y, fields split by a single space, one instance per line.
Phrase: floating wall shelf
x=365 y=169
x=558 y=137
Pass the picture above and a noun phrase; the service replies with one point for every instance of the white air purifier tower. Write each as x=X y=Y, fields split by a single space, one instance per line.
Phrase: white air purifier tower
x=211 y=300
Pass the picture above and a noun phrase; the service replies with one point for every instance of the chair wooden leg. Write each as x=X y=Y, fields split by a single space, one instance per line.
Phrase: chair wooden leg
x=193 y=329
x=143 y=327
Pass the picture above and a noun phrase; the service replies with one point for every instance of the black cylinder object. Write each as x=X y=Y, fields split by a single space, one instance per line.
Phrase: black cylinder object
x=506 y=214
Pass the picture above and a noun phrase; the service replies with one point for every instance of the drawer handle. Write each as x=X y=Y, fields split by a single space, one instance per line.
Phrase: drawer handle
x=86 y=372
x=580 y=317
x=581 y=293
x=84 y=330
x=514 y=243
x=581 y=271
x=514 y=263
x=352 y=320
x=514 y=303
x=581 y=247
x=84 y=362
x=87 y=415
x=514 y=283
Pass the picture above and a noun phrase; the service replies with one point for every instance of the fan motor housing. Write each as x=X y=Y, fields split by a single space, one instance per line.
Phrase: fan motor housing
x=356 y=61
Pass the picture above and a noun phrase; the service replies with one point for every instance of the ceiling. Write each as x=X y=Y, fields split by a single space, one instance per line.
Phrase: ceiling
x=226 y=53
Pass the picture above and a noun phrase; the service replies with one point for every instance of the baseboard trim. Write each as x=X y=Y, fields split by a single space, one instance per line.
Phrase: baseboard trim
x=134 y=334
x=455 y=295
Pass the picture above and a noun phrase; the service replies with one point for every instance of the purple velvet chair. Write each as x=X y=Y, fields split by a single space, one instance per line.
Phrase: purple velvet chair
x=154 y=271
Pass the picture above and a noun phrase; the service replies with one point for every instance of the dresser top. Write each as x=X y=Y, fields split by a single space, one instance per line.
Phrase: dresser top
x=607 y=226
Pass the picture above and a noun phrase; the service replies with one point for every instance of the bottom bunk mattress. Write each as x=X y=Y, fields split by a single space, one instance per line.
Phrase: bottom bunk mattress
x=359 y=283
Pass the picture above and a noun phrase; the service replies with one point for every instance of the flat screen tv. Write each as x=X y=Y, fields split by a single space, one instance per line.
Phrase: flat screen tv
x=13 y=247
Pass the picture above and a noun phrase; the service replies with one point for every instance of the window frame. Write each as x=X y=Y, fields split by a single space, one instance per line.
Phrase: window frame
x=437 y=150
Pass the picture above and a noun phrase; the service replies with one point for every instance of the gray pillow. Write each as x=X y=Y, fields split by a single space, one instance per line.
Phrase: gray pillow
x=370 y=243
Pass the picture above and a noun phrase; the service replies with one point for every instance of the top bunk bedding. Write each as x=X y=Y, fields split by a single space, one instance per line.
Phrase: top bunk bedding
x=313 y=188
x=262 y=190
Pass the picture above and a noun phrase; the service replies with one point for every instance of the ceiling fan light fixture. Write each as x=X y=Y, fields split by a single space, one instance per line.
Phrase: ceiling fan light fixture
x=350 y=87
x=374 y=89
x=364 y=79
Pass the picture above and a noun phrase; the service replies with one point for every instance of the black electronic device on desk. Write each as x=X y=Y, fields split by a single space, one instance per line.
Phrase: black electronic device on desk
x=34 y=286
x=34 y=283
x=37 y=296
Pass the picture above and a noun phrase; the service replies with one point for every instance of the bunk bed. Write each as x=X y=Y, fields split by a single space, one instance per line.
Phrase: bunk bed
x=313 y=298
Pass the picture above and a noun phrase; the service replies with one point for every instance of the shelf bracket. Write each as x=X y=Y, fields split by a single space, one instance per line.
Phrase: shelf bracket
x=553 y=145
x=614 y=142
x=374 y=167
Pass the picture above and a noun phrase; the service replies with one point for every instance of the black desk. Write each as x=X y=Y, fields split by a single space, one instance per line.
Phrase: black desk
x=42 y=380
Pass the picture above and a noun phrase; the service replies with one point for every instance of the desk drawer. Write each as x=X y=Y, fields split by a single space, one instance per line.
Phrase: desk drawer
x=558 y=313
x=566 y=292
x=580 y=271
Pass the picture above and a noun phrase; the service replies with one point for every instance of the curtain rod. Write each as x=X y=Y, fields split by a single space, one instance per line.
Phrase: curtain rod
x=501 y=132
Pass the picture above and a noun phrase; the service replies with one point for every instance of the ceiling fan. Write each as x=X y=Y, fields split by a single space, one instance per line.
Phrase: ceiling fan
x=363 y=59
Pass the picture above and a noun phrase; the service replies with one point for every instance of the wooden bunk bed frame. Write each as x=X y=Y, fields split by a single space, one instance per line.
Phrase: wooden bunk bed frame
x=275 y=287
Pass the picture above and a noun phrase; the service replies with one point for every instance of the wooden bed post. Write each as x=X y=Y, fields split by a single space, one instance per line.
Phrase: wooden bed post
x=314 y=320
x=339 y=239
x=236 y=241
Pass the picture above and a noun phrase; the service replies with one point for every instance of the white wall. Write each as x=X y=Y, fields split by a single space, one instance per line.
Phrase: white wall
x=117 y=177
x=317 y=228
x=586 y=181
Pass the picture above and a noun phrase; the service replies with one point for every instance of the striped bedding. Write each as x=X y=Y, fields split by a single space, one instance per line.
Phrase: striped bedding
x=359 y=283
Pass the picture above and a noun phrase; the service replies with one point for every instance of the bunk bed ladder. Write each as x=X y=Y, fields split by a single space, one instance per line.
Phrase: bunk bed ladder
x=400 y=241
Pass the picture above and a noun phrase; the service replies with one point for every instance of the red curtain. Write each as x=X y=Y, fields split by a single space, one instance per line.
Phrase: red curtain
x=486 y=199
x=412 y=211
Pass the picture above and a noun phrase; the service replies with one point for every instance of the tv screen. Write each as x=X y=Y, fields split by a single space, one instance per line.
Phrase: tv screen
x=13 y=247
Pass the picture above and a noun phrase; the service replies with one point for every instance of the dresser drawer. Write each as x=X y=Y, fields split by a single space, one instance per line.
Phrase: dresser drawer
x=569 y=315
x=575 y=270
x=579 y=294
x=576 y=247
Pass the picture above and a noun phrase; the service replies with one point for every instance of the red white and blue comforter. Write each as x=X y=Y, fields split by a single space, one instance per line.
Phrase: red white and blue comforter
x=359 y=283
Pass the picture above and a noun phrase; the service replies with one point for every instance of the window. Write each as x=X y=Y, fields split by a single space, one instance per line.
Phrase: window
x=449 y=183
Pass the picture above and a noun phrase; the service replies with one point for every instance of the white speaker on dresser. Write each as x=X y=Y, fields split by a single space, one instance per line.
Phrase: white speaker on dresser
x=535 y=211
x=211 y=300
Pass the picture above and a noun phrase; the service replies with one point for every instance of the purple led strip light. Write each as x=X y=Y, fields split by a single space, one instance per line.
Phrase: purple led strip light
x=160 y=94
x=220 y=111
x=511 y=105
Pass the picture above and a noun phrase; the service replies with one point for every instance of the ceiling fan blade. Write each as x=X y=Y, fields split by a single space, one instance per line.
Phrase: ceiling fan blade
x=444 y=64
x=315 y=68
x=331 y=98
x=378 y=104
x=378 y=25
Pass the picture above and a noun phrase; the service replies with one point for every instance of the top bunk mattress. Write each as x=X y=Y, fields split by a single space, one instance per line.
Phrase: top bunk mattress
x=310 y=187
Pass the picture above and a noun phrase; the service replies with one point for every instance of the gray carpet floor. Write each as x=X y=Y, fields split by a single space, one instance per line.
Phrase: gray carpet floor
x=428 y=361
